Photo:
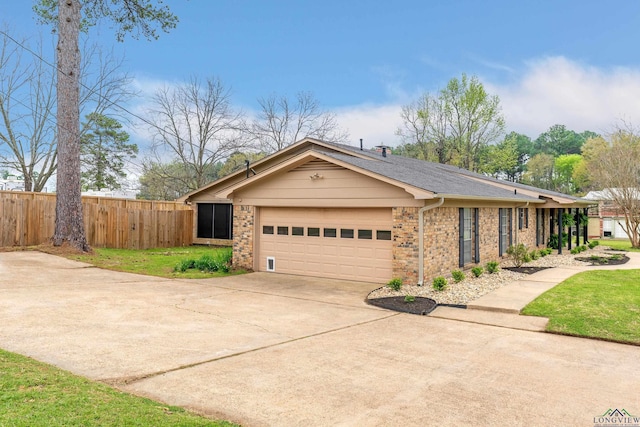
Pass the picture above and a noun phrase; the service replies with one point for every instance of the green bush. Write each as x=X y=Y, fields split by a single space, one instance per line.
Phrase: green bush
x=439 y=283
x=220 y=261
x=575 y=251
x=458 y=276
x=519 y=254
x=395 y=283
x=583 y=248
x=593 y=244
x=553 y=240
x=409 y=298
x=184 y=265
x=205 y=263
x=491 y=267
x=477 y=271
x=543 y=252
x=534 y=254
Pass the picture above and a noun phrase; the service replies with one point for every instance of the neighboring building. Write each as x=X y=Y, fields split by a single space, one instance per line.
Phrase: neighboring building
x=118 y=194
x=605 y=219
x=330 y=210
x=12 y=183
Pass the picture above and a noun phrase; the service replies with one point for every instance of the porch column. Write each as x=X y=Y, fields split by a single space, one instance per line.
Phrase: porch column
x=552 y=213
x=585 y=235
x=569 y=232
x=560 y=212
x=576 y=218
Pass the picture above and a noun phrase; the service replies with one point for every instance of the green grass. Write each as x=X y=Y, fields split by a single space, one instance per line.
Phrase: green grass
x=153 y=262
x=623 y=245
x=37 y=394
x=596 y=304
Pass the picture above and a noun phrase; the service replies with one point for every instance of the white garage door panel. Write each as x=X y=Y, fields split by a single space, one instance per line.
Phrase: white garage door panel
x=336 y=257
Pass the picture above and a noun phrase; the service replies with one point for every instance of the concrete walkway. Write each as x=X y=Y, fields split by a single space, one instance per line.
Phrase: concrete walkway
x=502 y=306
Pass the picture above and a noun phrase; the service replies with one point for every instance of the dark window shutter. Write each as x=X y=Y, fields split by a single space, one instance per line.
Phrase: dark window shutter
x=510 y=226
x=500 y=237
x=461 y=238
x=520 y=214
x=477 y=235
x=526 y=217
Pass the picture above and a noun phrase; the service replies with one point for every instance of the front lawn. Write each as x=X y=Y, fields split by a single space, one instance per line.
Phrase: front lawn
x=601 y=304
x=37 y=394
x=153 y=262
x=621 y=245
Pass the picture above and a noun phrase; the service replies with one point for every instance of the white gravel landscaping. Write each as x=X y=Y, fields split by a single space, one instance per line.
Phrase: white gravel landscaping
x=472 y=288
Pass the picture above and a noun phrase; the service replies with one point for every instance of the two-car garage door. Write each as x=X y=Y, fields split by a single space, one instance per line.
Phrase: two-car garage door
x=353 y=244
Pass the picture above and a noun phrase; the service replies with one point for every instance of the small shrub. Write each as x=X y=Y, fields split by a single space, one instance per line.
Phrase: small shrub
x=222 y=260
x=575 y=251
x=458 y=276
x=439 y=283
x=534 y=254
x=543 y=252
x=205 y=263
x=593 y=244
x=491 y=267
x=184 y=265
x=518 y=254
x=615 y=257
x=395 y=283
x=582 y=248
x=409 y=298
x=477 y=271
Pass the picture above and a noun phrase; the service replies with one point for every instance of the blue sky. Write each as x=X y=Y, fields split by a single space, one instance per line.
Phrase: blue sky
x=570 y=62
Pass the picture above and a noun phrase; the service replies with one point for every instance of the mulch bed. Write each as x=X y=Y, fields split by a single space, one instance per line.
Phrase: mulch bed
x=420 y=306
x=604 y=260
x=525 y=270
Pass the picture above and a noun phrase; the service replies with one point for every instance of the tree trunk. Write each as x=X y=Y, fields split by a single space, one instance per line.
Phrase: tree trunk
x=69 y=223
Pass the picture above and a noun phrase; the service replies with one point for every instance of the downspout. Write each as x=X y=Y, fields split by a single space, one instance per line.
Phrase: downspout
x=421 y=238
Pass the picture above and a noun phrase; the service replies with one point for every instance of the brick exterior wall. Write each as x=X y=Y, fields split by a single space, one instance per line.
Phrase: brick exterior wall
x=489 y=240
x=525 y=235
x=441 y=240
x=243 y=231
x=405 y=244
x=441 y=233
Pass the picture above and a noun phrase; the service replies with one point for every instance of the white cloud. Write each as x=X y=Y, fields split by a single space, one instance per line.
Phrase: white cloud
x=556 y=90
x=552 y=90
x=375 y=124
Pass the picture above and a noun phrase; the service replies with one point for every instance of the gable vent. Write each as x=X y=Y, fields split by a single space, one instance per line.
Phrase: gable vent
x=317 y=164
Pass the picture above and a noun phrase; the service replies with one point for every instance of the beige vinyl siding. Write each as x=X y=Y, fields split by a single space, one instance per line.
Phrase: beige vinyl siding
x=320 y=183
x=338 y=257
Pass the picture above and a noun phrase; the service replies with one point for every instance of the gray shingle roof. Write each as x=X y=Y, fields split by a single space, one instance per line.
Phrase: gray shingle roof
x=437 y=178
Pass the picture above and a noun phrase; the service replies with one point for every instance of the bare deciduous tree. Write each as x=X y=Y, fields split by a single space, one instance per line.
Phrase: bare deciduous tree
x=28 y=135
x=282 y=122
x=424 y=131
x=616 y=169
x=195 y=124
x=27 y=108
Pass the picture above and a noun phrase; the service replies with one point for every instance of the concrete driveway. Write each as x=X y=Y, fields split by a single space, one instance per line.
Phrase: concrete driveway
x=265 y=349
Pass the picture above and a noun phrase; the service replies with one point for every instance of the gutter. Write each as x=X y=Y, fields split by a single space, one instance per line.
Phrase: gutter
x=421 y=237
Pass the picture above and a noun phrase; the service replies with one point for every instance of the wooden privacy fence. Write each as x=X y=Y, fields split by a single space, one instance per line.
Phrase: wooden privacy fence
x=28 y=219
